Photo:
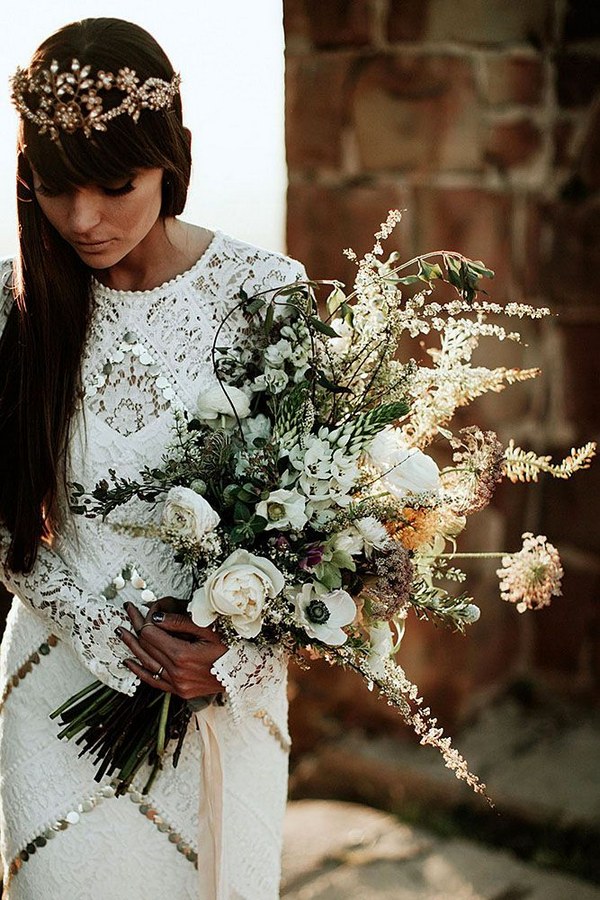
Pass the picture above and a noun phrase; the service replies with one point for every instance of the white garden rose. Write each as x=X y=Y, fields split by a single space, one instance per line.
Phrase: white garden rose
x=283 y=510
x=214 y=402
x=324 y=615
x=188 y=515
x=239 y=589
x=407 y=470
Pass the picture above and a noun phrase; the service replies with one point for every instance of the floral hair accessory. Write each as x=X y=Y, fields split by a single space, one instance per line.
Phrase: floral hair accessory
x=71 y=100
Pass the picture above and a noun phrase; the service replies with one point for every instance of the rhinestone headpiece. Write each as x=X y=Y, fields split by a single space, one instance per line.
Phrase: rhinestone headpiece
x=71 y=100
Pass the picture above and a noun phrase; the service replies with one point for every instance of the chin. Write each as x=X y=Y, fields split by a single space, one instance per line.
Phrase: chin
x=101 y=258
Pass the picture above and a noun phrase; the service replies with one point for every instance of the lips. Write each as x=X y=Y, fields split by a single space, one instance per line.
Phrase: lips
x=92 y=247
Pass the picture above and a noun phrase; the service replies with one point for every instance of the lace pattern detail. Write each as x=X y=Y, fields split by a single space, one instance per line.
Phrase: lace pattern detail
x=147 y=352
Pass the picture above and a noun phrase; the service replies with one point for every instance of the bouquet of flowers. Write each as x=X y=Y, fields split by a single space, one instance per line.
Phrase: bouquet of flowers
x=302 y=499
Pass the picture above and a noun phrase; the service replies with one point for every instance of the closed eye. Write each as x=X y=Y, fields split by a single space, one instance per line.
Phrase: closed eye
x=45 y=191
x=109 y=191
x=119 y=191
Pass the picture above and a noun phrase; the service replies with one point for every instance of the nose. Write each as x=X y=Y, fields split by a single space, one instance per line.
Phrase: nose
x=84 y=214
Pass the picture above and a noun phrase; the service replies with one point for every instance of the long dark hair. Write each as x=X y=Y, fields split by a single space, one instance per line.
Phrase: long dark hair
x=43 y=340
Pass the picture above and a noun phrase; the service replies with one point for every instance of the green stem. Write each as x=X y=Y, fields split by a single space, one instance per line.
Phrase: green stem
x=467 y=556
x=162 y=725
x=72 y=700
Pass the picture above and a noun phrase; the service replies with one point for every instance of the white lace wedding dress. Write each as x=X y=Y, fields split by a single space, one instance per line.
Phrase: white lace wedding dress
x=211 y=828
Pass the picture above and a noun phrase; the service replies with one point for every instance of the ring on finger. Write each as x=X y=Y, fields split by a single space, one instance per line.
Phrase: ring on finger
x=157 y=675
x=145 y=625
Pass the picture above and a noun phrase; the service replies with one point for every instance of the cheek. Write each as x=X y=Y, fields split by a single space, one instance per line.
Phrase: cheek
x=142 y=216
x=52 y=210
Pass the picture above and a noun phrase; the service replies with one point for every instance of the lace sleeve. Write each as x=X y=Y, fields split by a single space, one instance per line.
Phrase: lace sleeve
x=252 y=678
x=85 y=621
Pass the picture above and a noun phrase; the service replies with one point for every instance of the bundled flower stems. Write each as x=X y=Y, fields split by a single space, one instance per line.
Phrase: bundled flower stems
x=303 y=499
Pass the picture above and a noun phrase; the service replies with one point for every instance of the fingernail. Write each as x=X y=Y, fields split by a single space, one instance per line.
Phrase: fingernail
x=126 y=604
x=119 y=632
x=158 y=617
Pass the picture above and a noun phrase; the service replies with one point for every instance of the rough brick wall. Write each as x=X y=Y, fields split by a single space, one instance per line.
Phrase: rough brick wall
x=482 y=119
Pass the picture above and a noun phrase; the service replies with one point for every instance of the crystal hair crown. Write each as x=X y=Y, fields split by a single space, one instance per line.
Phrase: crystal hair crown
x=71 y=100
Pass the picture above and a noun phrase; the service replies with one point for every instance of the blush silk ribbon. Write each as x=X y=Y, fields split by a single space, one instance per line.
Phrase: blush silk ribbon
x=212 y=863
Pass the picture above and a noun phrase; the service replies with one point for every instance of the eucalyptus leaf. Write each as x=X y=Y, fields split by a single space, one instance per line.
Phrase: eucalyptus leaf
x=322 y=327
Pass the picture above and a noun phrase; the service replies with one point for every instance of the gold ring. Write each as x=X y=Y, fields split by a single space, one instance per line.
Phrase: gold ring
x=145 y=625
x=157 y=675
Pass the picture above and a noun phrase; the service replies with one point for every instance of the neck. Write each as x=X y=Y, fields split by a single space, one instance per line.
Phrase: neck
x=170 y=248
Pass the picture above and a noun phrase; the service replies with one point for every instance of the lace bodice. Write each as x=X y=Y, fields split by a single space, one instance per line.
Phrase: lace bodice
x=148 y=353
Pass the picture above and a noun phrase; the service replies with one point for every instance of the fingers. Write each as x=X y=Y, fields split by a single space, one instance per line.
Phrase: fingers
x=182 y=624
x=144 y=675
x=151 y=660
x=168 y=604
x=135 y=616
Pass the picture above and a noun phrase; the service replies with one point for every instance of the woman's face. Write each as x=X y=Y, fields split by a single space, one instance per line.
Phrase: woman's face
x=104 y=224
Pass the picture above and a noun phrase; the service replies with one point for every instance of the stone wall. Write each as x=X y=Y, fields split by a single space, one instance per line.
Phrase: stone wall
x=481 y=118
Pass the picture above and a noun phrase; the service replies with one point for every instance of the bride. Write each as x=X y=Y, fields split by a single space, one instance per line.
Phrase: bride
x=107 y=316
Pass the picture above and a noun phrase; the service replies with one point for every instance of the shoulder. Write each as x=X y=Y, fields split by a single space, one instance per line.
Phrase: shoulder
x=258 y=268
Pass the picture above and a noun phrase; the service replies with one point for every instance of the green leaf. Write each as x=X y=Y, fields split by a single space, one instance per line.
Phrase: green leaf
x=269 y=318
x=329 y=575
x=343 y=560
x=237 y=534
x=347 y=313
x=429 y=271
x=241 y=512
x=322 y=327
x=254 y=306
x=481 y=268
x=408 y=279
x=230 y=494
x=453 y=269
x=258 y=524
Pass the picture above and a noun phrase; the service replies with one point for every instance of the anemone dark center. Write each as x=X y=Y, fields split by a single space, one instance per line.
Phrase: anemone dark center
x=317 y=612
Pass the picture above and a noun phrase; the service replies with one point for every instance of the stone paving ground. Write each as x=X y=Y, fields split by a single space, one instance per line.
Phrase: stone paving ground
x=542 y=769
x=344 y=851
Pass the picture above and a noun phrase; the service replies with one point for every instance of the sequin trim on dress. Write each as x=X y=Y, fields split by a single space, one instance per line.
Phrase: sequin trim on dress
x=273 y=729
x=73 y=817
x=24 y=670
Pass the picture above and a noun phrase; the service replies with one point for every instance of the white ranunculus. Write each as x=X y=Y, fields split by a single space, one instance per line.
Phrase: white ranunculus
x=188 y=514
x=373 y=533
x=382 y=644
x=406 y=469
x=239 y=588
x=323 y=616
x=349 y=541
x=283 y=510
x=214 y=402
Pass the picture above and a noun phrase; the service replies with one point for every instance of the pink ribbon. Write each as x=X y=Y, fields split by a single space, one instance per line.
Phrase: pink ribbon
x=212 y=869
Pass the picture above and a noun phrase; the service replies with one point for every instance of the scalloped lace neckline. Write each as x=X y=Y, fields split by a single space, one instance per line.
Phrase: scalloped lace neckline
x=101 y=291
